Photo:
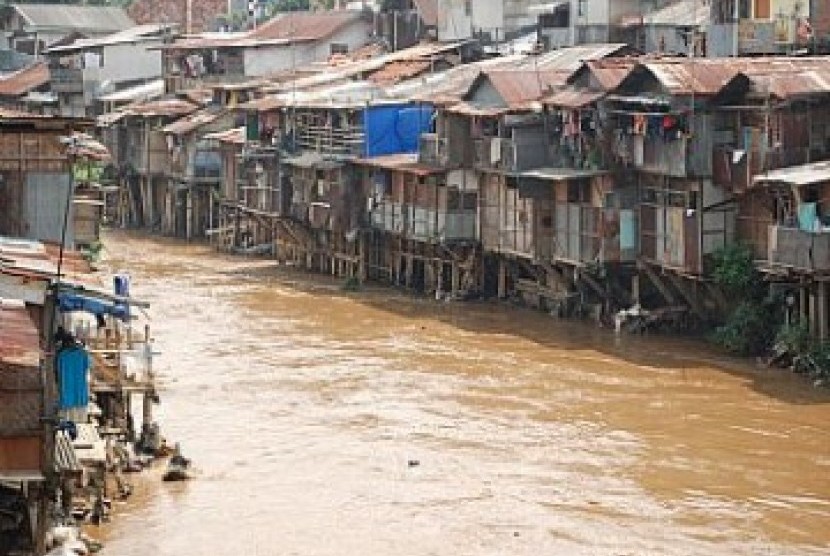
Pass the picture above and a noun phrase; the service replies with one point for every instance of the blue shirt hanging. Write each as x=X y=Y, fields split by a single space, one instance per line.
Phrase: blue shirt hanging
x=73 y=365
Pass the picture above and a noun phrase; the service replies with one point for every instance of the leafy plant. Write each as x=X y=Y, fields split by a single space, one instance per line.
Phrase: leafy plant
x=749 y=329
x=734 y=270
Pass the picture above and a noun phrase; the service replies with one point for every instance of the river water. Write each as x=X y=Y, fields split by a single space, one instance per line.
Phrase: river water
x=377 y=424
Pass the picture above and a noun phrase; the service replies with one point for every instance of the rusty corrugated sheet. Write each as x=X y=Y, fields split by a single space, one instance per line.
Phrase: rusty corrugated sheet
x=694 y=77
x=191 y=123
x=573 y=98
x=234 y=136
x=398 y=71
x=520 y=86
x=610 y=72
x=22 y=81
x=406 y=163
x=304 y=26
x=19 y=342
x=36 y=260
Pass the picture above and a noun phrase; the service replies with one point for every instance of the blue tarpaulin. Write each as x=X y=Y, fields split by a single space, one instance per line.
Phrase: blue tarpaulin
x=74 y=302
x=73 y=364
x=395 y=129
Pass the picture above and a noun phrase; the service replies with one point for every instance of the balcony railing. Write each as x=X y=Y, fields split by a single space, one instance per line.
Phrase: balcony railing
x=424 y=224
x=797 y=249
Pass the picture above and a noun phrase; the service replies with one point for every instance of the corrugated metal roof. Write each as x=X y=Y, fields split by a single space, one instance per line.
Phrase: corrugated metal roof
x=519 y=86
x=99 y=19
x=234 y=136
x=146 y=91
x=191 y=123
x=572 y=58
x=573 y=98
x=804 y=174
x=610 y=72
x=398 y=71
x=803 y=83
x=139 y=33
x=285 y=28
x=19 y=341
x=698 y=77
x=407 y=163
x=169 y=107
x=304 y=26
x=24 y=80
x=39 y=261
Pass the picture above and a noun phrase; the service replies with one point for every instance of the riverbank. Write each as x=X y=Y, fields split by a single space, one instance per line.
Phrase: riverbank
x=307 y=403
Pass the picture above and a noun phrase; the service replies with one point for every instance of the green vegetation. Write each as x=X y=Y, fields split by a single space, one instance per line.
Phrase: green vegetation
x=750 y=327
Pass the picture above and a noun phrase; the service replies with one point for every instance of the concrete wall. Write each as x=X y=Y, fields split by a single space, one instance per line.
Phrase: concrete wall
x=454 y=23
x=269 y=60
x=130 y=62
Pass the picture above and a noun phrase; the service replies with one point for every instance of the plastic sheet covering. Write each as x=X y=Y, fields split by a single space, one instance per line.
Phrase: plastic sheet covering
x=98 y=307
x=395 y=129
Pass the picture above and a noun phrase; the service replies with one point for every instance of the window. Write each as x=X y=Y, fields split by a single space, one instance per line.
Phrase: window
x=339 y=48
x=468 y=7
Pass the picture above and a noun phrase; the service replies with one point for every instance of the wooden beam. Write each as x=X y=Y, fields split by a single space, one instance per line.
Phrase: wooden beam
x=658 y=283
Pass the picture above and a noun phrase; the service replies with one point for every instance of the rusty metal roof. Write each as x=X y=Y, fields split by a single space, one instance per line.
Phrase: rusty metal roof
x=19 y=341
x=304 y=26
x=519 y=86
x=610 y=72
x=234 y=136
x=398 y=71
x=39 y=261
x=24 y=80
x=693 y=77
x=192 y=122
x=283 y=29
x=573 y=98
x=406 y=163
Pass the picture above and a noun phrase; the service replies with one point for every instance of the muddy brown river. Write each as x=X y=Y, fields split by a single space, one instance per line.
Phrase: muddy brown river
x=377 y=424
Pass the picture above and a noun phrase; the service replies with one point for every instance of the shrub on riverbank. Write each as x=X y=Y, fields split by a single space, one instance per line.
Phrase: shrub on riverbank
x=751 y=323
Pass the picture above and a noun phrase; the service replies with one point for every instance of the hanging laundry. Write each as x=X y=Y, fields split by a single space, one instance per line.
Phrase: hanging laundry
x=73 y=365
x=808 y=217
x=639 y=124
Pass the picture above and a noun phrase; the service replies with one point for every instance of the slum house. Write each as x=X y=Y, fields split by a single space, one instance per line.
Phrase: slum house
x=665 y=116
x=23 y=441
x=500 y=123
x=762 y=26
x=584 y=213
x=31 y=28
x=194 y=176
x=270 y=124
x=140 y=155
x=322 y=138
x=36 y=160
x=84 y=387
x=246 y=195
x=774 y=162
x=86 y=69
x=289 y=40
x=424 y=222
